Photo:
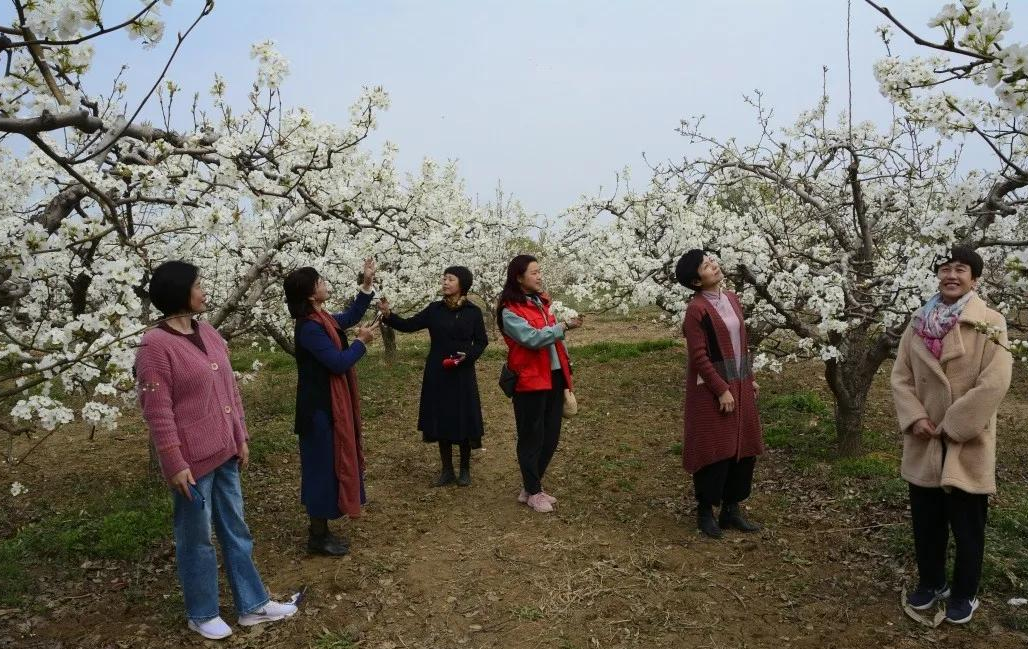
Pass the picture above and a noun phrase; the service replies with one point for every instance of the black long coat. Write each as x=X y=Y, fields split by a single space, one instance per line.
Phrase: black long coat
x=450 y=406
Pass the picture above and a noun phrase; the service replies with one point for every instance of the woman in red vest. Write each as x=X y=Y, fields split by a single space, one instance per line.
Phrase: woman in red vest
x=722 y=428
x=536 y=353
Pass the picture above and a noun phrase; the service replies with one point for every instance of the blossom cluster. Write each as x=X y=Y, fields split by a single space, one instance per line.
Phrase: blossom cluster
x=247 y=195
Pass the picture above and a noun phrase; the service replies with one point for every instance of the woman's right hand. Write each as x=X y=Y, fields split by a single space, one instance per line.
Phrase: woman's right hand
x=924 y=428
x=727 y=401
x=384 y=308
x=366 y=333
x=180 y=482
x=574 y=323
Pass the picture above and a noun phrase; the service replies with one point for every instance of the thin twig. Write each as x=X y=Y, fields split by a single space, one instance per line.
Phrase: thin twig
x=855 y=529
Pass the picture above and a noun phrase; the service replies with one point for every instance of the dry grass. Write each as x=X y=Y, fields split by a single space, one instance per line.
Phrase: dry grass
x=619 y=563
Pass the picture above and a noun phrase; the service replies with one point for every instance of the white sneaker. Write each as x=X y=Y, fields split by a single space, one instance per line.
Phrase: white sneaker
x=272 y=612
x=213 y=629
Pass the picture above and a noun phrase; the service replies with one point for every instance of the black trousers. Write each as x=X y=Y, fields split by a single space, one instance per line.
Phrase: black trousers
x=934 y=512
x=538 y=415
x=728 y=480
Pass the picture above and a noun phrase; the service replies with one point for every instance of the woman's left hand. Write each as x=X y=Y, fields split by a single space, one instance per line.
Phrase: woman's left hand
x=244 y=455
x=369 y=273
x=454 y=361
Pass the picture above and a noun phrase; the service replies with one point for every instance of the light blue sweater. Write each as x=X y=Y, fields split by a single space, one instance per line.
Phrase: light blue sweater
x=525 y=334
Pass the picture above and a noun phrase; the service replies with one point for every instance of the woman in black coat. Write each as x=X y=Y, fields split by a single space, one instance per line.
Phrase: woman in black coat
x=450 y=411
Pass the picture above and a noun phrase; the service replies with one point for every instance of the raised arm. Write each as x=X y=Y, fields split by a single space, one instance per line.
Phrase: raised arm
x=315 y=340
x=353 y=315
x=416 y=322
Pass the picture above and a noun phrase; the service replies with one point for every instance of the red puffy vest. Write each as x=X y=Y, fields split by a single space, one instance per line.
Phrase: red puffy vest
x=533 y=365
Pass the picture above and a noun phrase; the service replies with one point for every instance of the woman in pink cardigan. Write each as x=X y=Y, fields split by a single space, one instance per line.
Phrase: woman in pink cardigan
x=192 y=407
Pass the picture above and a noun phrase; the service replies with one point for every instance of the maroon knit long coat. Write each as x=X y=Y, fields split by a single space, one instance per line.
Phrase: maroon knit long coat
x=711 y=435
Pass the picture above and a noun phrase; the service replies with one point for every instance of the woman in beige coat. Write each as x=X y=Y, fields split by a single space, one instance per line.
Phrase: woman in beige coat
x=948 y=381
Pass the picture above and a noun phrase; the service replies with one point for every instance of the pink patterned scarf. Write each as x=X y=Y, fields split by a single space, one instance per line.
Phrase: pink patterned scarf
x=935 y=319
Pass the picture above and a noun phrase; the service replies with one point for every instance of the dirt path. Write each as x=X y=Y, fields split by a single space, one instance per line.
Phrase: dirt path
x=619 y=564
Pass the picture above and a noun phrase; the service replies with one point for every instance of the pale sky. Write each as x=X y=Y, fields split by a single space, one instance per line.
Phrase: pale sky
x=551 y=98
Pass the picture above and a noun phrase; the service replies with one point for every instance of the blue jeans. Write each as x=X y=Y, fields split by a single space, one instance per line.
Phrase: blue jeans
x=194 y=551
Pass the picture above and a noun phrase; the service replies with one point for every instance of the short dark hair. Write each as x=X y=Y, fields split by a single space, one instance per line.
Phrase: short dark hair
x=964 y=255
x=464 y=276
x=299 y=287
x=687 y=270
x=171 y=285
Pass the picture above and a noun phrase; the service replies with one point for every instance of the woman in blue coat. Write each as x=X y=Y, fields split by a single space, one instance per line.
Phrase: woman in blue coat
x=450 y=411
x=328 y=419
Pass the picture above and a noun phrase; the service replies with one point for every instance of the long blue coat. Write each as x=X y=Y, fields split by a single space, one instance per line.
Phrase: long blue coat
x=317 y=358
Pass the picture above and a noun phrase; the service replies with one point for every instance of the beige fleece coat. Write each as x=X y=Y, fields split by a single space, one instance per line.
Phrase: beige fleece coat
x=959 y=392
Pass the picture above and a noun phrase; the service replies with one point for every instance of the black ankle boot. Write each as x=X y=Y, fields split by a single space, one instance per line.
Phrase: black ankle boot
x=731 y=517
x=446 y=456
x=465 y=465
x=328 y=545
x=445 y=478
x=321 y=541
x=705 y=521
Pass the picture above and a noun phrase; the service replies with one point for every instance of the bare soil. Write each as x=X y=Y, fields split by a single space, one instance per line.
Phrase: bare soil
x=619 y=564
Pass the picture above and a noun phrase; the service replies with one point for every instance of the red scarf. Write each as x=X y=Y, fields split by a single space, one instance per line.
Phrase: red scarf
x=346 y=427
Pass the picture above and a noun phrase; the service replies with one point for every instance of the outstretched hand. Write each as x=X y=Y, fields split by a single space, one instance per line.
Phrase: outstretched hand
x=366 y=333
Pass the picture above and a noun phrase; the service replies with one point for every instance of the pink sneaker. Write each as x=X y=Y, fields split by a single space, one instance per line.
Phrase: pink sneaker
x=523 y=497
x=548 y=497
x=539 y=503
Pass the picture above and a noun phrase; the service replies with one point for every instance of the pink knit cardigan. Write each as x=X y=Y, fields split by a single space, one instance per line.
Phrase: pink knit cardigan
x=190 y=401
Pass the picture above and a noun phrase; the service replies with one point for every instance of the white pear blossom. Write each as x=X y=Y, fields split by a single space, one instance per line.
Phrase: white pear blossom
x=829 y=237
x=273 y=67
x=249 y=194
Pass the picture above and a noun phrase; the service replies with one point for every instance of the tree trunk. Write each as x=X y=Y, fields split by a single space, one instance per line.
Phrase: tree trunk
x=849 y=426
x=850 y=381
x=280 y=338
x=389 y=344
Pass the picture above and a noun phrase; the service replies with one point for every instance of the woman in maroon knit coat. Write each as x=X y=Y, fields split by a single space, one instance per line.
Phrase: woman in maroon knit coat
x=723 y=436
